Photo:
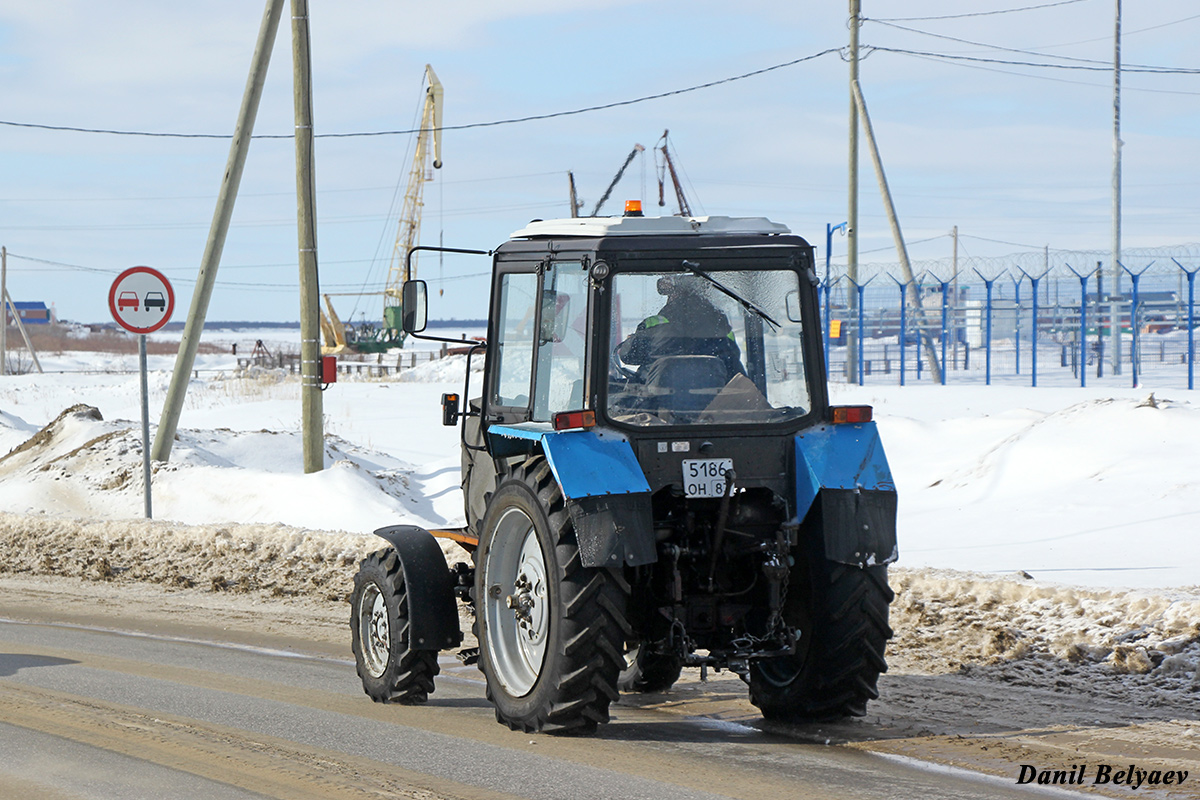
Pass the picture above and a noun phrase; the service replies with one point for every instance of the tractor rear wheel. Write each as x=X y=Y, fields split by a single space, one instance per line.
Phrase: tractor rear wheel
x=391 y=671
x=551 y=631
x=843 y=622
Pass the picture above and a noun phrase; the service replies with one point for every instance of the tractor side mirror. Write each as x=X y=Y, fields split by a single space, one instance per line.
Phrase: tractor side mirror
x=450 y=409
x=415 y=306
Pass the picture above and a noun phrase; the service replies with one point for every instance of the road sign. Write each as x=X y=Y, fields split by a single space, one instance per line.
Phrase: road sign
x=141 y=300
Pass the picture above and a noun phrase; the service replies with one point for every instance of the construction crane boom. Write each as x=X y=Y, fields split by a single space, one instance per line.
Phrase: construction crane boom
x=409 y=229
x=637 y=148
x=576 y=203
x=666 y=166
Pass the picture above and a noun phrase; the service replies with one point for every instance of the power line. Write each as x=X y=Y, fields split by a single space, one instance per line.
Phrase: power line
x=467 y=126
x=977 y=13
x=962 y=235
x=292 y=193
x=271 y=286
x=1062 y=80
x=907 y=244
x=1124 y=33
x=1107 y=66
x=1079 y=67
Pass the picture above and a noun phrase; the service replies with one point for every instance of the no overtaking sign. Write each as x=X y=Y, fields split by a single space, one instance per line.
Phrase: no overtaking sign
x=141 y=300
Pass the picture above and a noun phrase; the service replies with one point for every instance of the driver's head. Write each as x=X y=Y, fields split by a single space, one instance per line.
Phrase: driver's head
x=679 y=285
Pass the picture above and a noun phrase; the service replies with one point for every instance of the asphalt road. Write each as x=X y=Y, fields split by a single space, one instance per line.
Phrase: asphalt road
x=93 y=713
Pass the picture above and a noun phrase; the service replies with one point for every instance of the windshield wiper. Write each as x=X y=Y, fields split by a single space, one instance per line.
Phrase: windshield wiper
x=694 y=268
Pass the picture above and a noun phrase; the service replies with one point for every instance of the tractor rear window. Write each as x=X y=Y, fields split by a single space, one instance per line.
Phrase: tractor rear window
x=721 y=347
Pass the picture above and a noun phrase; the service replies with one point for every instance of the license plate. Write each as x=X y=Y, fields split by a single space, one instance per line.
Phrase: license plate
x=705 y=477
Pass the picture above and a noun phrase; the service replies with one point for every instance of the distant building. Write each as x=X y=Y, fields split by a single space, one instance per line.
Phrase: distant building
x=31 y=313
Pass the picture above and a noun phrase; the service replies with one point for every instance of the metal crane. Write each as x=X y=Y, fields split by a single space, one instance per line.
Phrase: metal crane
x=576 y=203
x=665 y=165
x=367 y=339
x=637 y=148
x=409 y=229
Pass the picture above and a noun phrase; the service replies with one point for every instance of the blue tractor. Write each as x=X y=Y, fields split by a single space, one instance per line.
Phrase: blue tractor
x=654 y=479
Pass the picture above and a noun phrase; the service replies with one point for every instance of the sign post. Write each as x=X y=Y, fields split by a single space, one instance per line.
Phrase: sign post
x=141 y=301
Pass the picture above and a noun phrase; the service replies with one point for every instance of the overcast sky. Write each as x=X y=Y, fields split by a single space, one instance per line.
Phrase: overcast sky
x=1018 y=157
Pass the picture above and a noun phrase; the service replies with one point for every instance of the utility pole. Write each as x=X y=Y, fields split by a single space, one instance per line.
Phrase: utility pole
x=1115 y=307
x=194 y=326
x=312 y=422
x=852 y=213
x=21 y=327
x=3 y=311
x=910 y=291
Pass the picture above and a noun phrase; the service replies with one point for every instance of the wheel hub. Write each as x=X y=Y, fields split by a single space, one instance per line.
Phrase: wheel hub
x=528 y=603
x=374 y=631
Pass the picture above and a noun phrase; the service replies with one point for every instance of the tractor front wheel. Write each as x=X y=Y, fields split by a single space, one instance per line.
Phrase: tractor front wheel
x=391 y=671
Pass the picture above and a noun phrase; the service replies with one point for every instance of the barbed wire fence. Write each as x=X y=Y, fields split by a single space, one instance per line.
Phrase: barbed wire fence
x=1031 y=318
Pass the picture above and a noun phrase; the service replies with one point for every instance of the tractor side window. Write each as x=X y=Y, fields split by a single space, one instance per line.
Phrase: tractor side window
x=561 y=341
x=515 y=337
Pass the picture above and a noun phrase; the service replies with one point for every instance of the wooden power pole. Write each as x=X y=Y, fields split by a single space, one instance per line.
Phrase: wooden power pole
x=310 y=323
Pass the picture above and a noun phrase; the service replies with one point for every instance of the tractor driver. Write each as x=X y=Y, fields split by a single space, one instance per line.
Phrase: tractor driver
x=687 y=324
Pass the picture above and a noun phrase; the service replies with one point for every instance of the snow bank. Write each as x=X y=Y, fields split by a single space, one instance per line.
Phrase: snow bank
x=276 y=559
x=1017 y=628
x=83 y=465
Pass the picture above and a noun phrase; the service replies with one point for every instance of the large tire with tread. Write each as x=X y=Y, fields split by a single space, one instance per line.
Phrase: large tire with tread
x=391 y=672
x=551 y=632
x=843 y=621
x=646 y=671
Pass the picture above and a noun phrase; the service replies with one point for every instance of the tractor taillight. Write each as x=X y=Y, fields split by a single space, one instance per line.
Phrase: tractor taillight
x=850 y=414
x=568 y=420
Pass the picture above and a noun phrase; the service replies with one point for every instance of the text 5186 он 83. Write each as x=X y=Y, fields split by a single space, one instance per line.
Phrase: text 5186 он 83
x=1077 y=774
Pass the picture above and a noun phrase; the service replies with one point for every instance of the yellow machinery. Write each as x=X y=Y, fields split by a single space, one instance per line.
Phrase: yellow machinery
x=333 y=332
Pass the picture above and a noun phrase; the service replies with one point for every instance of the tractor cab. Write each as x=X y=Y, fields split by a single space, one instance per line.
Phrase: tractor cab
x=654 y=322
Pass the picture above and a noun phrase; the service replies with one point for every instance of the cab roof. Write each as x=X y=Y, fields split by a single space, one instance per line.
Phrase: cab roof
x=596 y=227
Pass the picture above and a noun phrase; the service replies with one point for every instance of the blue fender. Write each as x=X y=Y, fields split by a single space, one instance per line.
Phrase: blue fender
x=843 y=469
x=432 y=609
x=602 y=482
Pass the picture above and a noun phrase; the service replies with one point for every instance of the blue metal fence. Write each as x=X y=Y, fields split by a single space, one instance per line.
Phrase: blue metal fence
x=1018 y=321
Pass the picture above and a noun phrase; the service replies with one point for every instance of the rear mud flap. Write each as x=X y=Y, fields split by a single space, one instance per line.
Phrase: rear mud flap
x=859 y=526
x=614 y=529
